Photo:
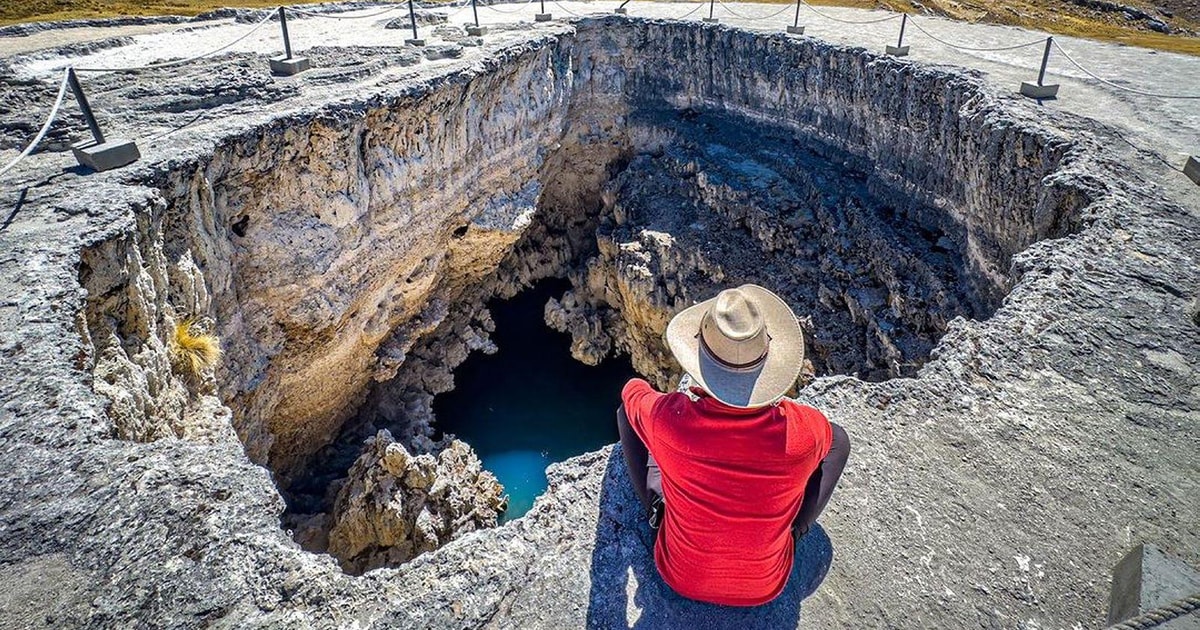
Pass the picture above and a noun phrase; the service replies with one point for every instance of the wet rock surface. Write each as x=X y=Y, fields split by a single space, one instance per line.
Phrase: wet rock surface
x=324 y=236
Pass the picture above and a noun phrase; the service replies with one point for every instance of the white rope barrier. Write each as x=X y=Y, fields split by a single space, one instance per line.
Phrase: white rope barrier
x=699 y=5
x=1116 y=86
x=516 y=10
x=729 y=8
x=461 y=8
x=830 y=17
x=62 y=89
x=972 y=48
x=572 y=12
x=333 y=16
x=167 y=64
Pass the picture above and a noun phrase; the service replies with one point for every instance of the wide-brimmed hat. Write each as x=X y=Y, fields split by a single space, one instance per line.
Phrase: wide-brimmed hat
x=744 y=346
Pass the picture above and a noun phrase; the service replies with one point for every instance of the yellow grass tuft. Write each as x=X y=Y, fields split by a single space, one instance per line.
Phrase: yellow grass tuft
x=195 y=351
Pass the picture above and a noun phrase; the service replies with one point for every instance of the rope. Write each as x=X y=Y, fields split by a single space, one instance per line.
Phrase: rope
x=747 y=17
x=570 y=11
x=698 y=6
x=461 y=8
x=167 y=64
x=830 y=17
x=331 y=16
x=62 y=89
x=942 y=41
x=1162 y=614
x=517 y=10
x=1114 y=85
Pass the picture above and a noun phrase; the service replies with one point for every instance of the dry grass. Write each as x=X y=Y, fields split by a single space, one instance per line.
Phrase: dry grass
x=15 y=11
x=1056 y=16
x=193 y=350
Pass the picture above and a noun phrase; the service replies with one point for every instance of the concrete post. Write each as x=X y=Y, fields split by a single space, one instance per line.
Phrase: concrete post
x=899 y=50
x=543 y=16
x=621 y=9
x=1147 y=578
x=1192 y=169
x=1041 y=90
x=100 y=154
x=710 y=19
x=287 y=65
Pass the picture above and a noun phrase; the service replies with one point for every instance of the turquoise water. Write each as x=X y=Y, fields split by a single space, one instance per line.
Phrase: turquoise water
x=530 y=403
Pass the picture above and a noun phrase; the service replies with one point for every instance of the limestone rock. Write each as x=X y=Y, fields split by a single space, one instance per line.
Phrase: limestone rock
x=345 y=235
x=395 y=505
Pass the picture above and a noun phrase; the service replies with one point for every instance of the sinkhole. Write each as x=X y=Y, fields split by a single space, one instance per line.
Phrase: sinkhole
x=425 y=301
x=529 y=403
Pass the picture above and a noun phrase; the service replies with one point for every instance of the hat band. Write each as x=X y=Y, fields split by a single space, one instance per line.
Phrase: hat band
x=734 y=366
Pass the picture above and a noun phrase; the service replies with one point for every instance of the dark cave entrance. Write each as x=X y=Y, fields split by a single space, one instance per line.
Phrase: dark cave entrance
x=530 y=403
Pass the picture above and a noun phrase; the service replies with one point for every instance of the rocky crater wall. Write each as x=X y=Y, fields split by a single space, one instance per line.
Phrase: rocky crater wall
x=344 y=256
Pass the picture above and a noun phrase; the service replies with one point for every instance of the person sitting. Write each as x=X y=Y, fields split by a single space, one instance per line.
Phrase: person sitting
x=730 y=471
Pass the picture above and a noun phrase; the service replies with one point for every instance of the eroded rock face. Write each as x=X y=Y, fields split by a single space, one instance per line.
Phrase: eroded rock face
x=346 y=258
x=729 y=202
x=1060 y=426
x=396 y=505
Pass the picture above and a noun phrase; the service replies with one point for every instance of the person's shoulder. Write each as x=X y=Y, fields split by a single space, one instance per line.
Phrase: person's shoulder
x=799 y=410
x=637 y=386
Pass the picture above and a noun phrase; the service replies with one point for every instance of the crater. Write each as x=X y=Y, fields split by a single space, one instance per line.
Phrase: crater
x=350 y=260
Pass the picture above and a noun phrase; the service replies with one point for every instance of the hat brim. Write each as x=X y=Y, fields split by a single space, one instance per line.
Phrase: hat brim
x=764 y=384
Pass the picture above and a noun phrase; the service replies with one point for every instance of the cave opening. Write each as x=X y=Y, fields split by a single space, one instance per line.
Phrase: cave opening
x=529 y=403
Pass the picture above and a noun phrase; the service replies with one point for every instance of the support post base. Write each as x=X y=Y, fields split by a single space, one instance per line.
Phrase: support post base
x=1147 y=578
x=1033 y=90
x=795 y=30
x=542 y=17
x=712 y=20
x=622 y=10
x=897 y=51
x=1192 y=169
x=114 y=153
x=414 y=42
x=477 y=31
x=284 y=67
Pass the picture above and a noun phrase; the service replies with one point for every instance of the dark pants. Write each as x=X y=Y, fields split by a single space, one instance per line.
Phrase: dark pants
x=647 y=479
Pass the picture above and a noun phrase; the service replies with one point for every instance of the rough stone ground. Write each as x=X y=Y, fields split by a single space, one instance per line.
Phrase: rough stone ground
x=995 y=489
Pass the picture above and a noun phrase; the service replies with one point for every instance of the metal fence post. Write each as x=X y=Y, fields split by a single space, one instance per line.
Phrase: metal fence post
x=476 y=30
x=1040 y=90
x=100 y=154
x=543 y=16
x=287 y=64
x=795 y=28
x=900 y=50
x=711 y=6
x=415 y=40
x=88 y=116
x=287 y=41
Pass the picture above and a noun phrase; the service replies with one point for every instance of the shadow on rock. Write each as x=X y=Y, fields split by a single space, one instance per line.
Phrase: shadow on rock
x=627 y=591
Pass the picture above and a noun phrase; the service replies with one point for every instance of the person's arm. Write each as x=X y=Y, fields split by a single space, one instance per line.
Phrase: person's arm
x=824 y=479
x=636 y=457
x=635 y=426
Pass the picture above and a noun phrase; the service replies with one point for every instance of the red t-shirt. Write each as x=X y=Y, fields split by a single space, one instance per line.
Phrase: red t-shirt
x=733 y=480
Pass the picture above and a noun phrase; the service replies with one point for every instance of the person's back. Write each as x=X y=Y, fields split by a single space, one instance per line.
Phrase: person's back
x=736 y=471
x=733 y=479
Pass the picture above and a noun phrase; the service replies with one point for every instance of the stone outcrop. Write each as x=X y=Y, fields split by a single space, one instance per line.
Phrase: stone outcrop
x=396 y=505
x=337 y=237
